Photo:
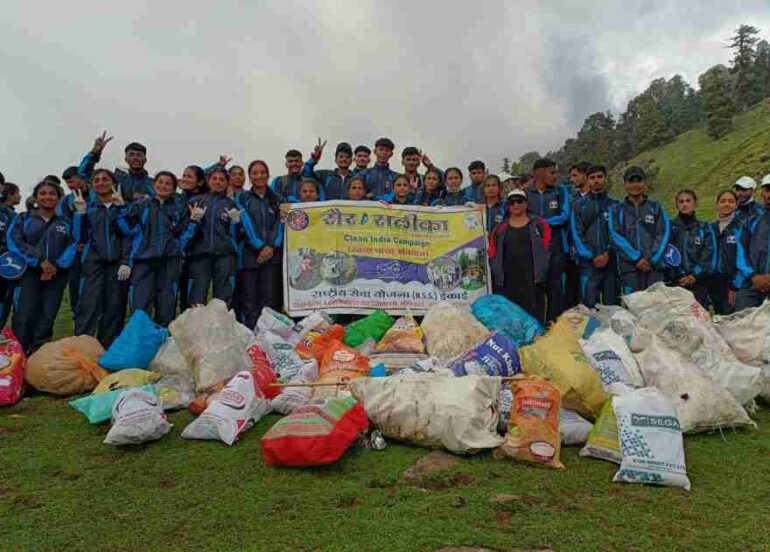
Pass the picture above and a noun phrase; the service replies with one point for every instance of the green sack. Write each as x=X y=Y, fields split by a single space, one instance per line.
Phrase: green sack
x=603 y=441
x=98 y=408
x=374 y=325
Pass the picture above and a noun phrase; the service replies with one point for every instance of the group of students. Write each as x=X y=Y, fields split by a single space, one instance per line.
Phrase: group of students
x=124 y=239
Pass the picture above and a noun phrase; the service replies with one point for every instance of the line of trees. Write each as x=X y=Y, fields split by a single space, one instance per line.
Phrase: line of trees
x=669 y=107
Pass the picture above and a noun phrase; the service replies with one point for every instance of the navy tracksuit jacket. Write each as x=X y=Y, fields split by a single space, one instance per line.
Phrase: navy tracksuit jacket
x=752 y=258
x=331 y=183
x=378 y=180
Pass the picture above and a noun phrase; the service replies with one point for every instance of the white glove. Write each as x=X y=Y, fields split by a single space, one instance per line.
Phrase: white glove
x=124 y=273
x=235 y=215
x=196 y=213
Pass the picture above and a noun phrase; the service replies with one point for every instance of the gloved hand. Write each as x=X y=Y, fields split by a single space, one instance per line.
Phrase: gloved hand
x=124 y=273
x=196 y=213
x=235 y=215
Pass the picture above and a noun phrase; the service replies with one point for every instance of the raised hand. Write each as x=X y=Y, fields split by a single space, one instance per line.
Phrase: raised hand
x=196 y=213
x=80 y=203
x=100 y=142
x=319 y=149
x=414 y=183
x=124 y=273
x=117 y=196
x=234 y=214
x=426 y=160
x=224 y=160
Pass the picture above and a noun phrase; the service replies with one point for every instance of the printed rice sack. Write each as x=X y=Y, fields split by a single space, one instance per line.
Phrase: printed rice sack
x=558 y=358
x=651 y=440
x=308 y=323
x=495 y=356
x=136 y=345
x=405 y=336
x=371 y=326
x=533 y=428
x=98 y=408
x=67 y=366
x=450 y=331
x=283 y=358
x=292 y=398
x=12 y=364
x=701 y=404
x=316 y=341
x=314 y=434
x=131 y=377
x=230 y=412
x=573 y=428
x=262 y=370
x=602 y=442
x=137 y=417
x=272 y=321
x=212 y=341
x=434 y=411
x=612 y=359
x=501 y=315
x=340 y=364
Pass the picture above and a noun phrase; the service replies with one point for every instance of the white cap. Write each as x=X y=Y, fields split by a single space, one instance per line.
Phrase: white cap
x=766 y=180
x=746 y=182
x=517 y=193
x=503 y=176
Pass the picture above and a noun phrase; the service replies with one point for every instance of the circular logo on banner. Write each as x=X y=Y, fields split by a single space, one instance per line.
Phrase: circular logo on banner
x=298 y=220
x=672 y=257
x=12 y=266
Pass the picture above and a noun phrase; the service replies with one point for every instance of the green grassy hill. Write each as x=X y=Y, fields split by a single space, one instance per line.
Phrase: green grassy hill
x=707 y=166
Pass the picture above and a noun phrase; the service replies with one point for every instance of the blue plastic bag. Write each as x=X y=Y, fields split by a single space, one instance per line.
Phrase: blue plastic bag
x=495 y=356
x=499 y=314
x=136 y=345
x=98 y=408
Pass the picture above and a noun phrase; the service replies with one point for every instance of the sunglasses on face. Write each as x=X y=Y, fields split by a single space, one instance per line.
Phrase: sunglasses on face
x=517 y=200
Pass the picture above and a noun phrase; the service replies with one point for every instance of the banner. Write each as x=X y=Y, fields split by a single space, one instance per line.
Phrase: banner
x=357 y=256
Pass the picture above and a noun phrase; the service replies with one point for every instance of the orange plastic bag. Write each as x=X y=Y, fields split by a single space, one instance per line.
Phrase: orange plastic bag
x=67 y=366
x=315 y=343
x=340 y=364
x=533 y=428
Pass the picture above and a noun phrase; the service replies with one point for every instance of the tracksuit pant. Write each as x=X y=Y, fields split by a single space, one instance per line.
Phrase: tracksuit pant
x=718 y=289
x=747 y=298
x=36 y=304
x=216 y=269
x=101 y=309
x=184 y=280
x=258 y=288
x=75 y=275
x=638 y=281
x=599 y=285
x=555 y=286
x=7 y=288
x=573 y=288
x=153 y=288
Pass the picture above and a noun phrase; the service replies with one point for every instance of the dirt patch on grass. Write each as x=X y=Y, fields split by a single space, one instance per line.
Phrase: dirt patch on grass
x=103 y=458
x=10 y=431
x=431 y=463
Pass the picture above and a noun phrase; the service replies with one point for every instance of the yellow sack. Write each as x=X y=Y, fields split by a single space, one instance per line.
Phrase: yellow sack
x=66 y=367
x=558 y=357
x=130 y=377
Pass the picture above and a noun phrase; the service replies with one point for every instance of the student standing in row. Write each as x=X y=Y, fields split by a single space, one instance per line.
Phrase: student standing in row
x=639 y=230
x=102 y=308
x=333 y=183
x=7 y=215
x=193 y=185
x=259 y=279
x=44 y=240
x=453 y=195
x=401 y=193
x=697 y=246
x=518 y=253
x=550 y=201
x=287 y=186
x=476 y=173
x=753 y=257
x=237 y=180
x=497 y=210
x=591 y=238
x=432 y=189
x=412 y=158
x=135 y=182
x=361 y=157
x=356 y=189
x=744 y=188
x=727 y=230
x=379 y=178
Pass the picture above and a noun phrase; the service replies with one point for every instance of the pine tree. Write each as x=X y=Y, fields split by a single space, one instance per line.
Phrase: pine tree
x=506 y=165
x=748 y=85
x=718 y=106
x=762 y=66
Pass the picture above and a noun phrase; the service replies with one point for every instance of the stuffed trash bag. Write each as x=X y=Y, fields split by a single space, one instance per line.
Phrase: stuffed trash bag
x=371 y=326
x=499 y=314
x=12 y=364
x=136 y=345
x=67 y=366
x=98 y=408
x=137 y=417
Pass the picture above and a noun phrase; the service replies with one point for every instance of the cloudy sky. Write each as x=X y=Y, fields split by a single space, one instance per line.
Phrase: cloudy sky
x=463 y=81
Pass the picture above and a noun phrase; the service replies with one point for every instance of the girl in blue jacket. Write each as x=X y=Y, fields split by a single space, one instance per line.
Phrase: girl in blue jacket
x=497 y=210
x=453 y=178
x=727 y=229
x=432 y=188
x=44 y=240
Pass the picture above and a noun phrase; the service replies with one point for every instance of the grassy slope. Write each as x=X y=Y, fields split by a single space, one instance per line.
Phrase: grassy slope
x=61 y=488
x=707 y=166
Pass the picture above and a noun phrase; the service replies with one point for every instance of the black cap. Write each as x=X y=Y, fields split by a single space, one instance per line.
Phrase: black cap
x=136 y=146
x=543 y=163
x=384 y=142
x=69 y=172
x=632 y=172
x=596 y=168
x=343 y=147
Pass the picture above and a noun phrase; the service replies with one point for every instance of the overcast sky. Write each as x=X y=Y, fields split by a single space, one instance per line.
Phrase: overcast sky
x=462 y=80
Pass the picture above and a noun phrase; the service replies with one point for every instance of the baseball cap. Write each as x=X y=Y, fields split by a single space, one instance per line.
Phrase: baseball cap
x=503 y=176
x=632 y=172
x=766 y=180
x=746 y=182
x=517 y=193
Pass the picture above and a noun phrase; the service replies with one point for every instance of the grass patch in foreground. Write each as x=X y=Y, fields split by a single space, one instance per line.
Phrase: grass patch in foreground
x=62 y=489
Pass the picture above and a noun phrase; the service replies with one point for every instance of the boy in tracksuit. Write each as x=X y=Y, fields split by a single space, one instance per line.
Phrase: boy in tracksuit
x=105 y=250
x=159 y=229
x=211 y=250
x=334 y=183
x=361 y=158
x=639 y=231
x=287 y=186
x=550 y=201
x=744 y=188
x=66 y=208
x=7 y=214
x=379 y=178
x=476 y=173
x=591 y=238
x=135 y=182
x=697 y=244
x=753 y=257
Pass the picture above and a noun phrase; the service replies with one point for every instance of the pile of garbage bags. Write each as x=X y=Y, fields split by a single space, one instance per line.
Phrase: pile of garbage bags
x=625 y=384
